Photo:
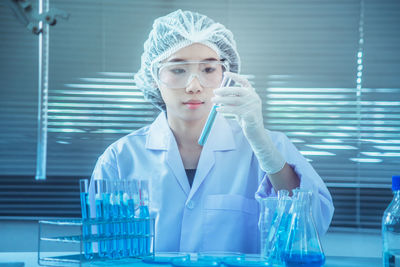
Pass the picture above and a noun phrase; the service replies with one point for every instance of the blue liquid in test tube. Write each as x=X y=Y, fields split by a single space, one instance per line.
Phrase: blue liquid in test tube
x=109 y=227
x=124 y=198
x=116 y=215
x=85 y=209
x=101 y=202
x=211 y=117
x=144 y=214
x=132 y=199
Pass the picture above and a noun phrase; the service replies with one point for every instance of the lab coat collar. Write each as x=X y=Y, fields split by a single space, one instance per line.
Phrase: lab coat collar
x=220 y=138
x=160 y=137
x=159 y=134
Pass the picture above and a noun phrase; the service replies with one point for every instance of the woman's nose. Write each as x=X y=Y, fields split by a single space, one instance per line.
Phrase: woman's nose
x=194 y=85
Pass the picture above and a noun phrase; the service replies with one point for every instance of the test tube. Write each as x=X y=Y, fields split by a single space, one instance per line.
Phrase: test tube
x=144 y=215
x=102 y=205
x=124 y=202
x=211 y=116
x=108 y=213
x=116 y=215
x=85 y=209
x=133 y=202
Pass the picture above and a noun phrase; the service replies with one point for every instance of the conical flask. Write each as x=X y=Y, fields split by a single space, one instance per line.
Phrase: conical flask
x=268 y=207
x=277 y=236
x=303 y=247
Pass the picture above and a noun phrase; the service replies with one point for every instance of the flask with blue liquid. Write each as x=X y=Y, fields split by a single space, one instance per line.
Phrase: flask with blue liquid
x=303 y=246
x=391 y=228
x=278 y=233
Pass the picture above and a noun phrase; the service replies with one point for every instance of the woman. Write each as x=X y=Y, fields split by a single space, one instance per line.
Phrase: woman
x=203 y=197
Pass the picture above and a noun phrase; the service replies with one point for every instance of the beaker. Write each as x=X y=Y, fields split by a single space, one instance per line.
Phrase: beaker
x=303 y=247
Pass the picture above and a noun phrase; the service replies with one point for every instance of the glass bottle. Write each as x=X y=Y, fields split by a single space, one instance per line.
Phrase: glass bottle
x=391 y=228
x=303 y=246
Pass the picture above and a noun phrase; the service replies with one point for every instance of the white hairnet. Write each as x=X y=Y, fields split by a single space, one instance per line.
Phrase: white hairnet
x=175 y=31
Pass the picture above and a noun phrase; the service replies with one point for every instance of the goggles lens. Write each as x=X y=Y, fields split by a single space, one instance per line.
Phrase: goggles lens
x=177 y=75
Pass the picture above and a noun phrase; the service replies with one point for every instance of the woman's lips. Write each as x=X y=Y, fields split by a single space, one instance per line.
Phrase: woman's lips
x=193 y=104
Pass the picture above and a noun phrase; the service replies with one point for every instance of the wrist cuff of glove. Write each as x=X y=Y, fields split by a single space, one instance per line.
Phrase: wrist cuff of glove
x=269 y=158
x=272 y=163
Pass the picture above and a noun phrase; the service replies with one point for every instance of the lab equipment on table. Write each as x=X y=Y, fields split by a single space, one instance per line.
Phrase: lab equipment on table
x=219 y=255
x=85 y=211
x=116 y=214
x=189 y=262
x=211 y=116
x=303 y=246
x=102 y=213
x=277 y=236
x=131 y=202
x=249 y=260
x=391 y=228
x=144 y=214
x=165 y=257
x=273 y=224
x=121 y=229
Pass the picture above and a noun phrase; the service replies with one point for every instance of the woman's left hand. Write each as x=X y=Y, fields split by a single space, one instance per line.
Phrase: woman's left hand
x=245 y=104
x=241 y=101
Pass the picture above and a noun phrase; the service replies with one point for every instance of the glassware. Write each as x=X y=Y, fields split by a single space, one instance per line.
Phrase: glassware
x=144 y=214
x=303 y=247
x=391 y=228
x=219 y=255
x=85 y=209
x=273 y=225
x=116 y=214
x=278 y=233
x=249 y=260
x=102 y=205
x=212 y=115
x=188 y=262
x=166 y=257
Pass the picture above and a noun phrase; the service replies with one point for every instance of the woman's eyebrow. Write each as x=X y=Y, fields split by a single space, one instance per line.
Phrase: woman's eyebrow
x=182 y=60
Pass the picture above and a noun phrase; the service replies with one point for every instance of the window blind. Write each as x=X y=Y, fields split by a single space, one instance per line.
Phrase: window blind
x=304 y=56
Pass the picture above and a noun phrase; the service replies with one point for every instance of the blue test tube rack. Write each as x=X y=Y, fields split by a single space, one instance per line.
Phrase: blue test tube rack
x=122 y=228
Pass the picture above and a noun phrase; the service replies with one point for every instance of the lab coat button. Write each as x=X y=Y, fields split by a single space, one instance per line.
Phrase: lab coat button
x=190 y=205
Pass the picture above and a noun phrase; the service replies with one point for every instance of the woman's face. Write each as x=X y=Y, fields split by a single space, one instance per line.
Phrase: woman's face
x=191 y=102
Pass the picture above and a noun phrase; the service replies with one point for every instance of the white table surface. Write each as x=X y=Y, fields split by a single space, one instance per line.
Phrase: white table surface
x=30 y=260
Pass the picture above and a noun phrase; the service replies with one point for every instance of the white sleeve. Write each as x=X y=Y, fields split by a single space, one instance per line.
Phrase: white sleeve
x=104 y=169
x=322 y=206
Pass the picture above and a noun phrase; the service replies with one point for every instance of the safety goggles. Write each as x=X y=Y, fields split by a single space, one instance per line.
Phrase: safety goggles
x=176 y=75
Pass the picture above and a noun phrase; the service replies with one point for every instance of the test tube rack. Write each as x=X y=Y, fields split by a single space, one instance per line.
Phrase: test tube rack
x=70 y=248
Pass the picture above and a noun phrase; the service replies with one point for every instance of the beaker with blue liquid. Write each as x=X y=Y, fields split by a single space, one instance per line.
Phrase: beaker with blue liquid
x=303 y=247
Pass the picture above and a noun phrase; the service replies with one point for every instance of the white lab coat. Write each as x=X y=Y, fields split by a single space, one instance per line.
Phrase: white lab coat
x=219 y=212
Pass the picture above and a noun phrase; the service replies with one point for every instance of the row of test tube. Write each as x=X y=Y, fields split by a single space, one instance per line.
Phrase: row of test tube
x=121 y=227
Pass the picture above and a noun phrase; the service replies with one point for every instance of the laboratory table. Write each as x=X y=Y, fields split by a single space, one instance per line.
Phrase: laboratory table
x=29 y=259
